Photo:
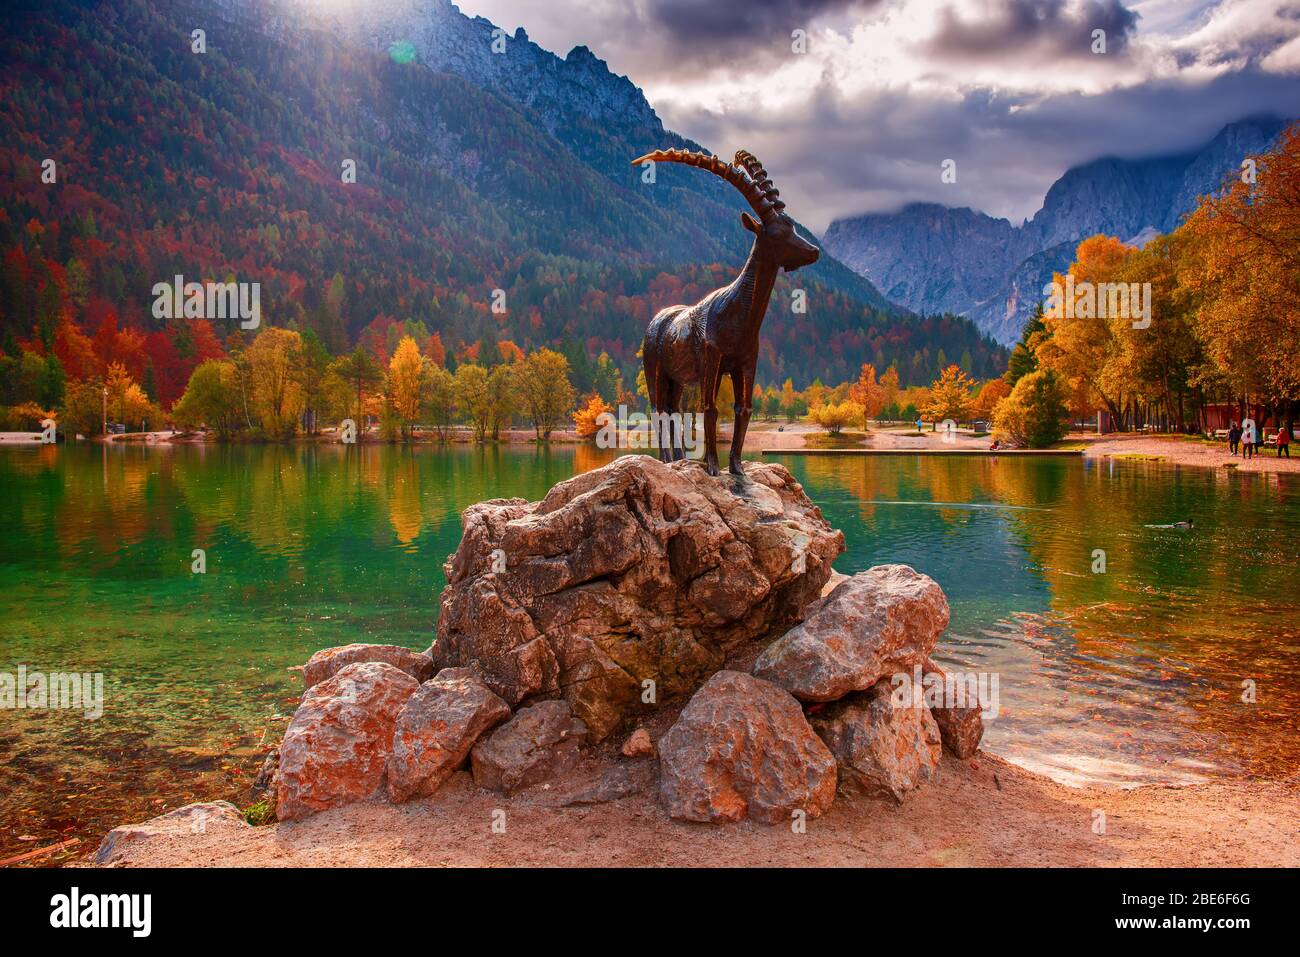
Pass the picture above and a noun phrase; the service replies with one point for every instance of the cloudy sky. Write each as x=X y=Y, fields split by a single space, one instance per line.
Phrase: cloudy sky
x=1012 y=90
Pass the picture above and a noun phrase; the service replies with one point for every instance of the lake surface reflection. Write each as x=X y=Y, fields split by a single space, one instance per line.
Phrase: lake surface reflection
x=1131 y=675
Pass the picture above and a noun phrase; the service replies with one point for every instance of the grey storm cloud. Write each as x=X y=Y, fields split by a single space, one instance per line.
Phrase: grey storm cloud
x=1032 y=28
x=736 y=38
x=841 y=156
x=692 y=23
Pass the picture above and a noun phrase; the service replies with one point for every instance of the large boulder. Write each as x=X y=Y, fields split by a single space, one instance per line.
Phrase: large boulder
x=960 y=727
x=877 y=623
x=742 y=748
x=539 y=743
x=184 y=822
x=330 y=661
x=636 y=572
x=883 y=746
x=436 y=728
x=337 y=745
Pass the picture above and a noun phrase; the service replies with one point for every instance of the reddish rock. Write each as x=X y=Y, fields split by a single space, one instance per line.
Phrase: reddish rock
x=184 y=822
x=330 y=661
x=337 y=745
x=877 y=623
x=882 y=749
x=638 y=743
x=538 y=743
x=637 y=571
x=960 y=728
x=742 y=748
x=436 y=729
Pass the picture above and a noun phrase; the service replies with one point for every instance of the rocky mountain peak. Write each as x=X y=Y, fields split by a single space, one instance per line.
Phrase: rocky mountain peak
x=932 y=258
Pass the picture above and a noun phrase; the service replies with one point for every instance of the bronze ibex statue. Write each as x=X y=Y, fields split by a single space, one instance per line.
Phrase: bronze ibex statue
x=719 y=334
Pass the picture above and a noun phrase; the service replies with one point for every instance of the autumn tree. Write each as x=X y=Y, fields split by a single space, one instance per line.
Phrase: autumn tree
x=1033 y=415
x=510 y=352
x=1243 y=263
x=211 y=398
x=434 y=349
x=275 y=377
x=472 y=399
x=1076 y=342
x=771 y=403
x=890 y=385
x=82 y=411
x=950 y=395
x=990 y=394
x=545 y=390
x=406 y=383
x=834 y=416
x=586 y=418
x=441 y=398
x=1157 y=358
x=127 y=402
x=501 y=397
x=789 y=400
x=868 y=393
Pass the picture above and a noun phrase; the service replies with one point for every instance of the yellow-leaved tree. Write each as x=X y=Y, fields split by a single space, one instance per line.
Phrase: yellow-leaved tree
x=585 y=419
x=441 y=400
x=833 y=416
x=1244 y=264
x=407 y=383
x=869 y=393
x=471 y=390
x=950 y=395
x=1078 y=343
x=545 y=390
x=275 y=377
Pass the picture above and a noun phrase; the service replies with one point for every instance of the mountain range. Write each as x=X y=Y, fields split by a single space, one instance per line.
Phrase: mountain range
x=476 y=171
x=932 y=258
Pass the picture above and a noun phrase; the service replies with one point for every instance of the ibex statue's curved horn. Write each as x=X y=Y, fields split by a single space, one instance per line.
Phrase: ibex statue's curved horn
x=759 y=175
x=765 y=203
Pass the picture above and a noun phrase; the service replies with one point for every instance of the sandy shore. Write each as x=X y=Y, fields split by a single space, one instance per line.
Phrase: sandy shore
x=980 y=813
x=1175 y=450
x=1181 y=451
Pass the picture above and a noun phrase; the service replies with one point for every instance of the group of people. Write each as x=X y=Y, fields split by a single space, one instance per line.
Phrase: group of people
x=1247 y=439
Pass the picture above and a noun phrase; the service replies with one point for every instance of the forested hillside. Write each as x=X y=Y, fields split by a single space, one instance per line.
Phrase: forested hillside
x=226 y=164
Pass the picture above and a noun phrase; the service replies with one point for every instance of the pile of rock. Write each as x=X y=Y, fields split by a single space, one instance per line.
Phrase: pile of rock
x=620 y=592
x=830 y=700
x=623 y=592
x=629 y=585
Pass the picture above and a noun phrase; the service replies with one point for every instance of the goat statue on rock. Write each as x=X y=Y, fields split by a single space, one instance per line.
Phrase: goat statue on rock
x=718 y=335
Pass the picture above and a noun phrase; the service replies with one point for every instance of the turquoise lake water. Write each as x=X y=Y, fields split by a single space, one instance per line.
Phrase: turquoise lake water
x=1134 y=675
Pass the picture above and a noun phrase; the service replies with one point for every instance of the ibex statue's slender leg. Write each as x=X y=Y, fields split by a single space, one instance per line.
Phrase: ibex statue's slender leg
x=709 y=380
x=675 y=420
x=742 y=383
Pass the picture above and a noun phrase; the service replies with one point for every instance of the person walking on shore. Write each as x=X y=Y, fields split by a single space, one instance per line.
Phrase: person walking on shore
x=1234 y=437
x=1284 y=441
x=1248 y=439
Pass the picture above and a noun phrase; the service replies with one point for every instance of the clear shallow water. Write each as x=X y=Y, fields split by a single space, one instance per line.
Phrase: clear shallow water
x=1126 y=677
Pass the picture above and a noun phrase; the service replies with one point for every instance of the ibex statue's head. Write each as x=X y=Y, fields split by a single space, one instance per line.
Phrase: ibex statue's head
x=777 y=236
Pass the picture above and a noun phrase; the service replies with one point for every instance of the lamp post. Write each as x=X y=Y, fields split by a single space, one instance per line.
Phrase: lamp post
x=105 y=412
